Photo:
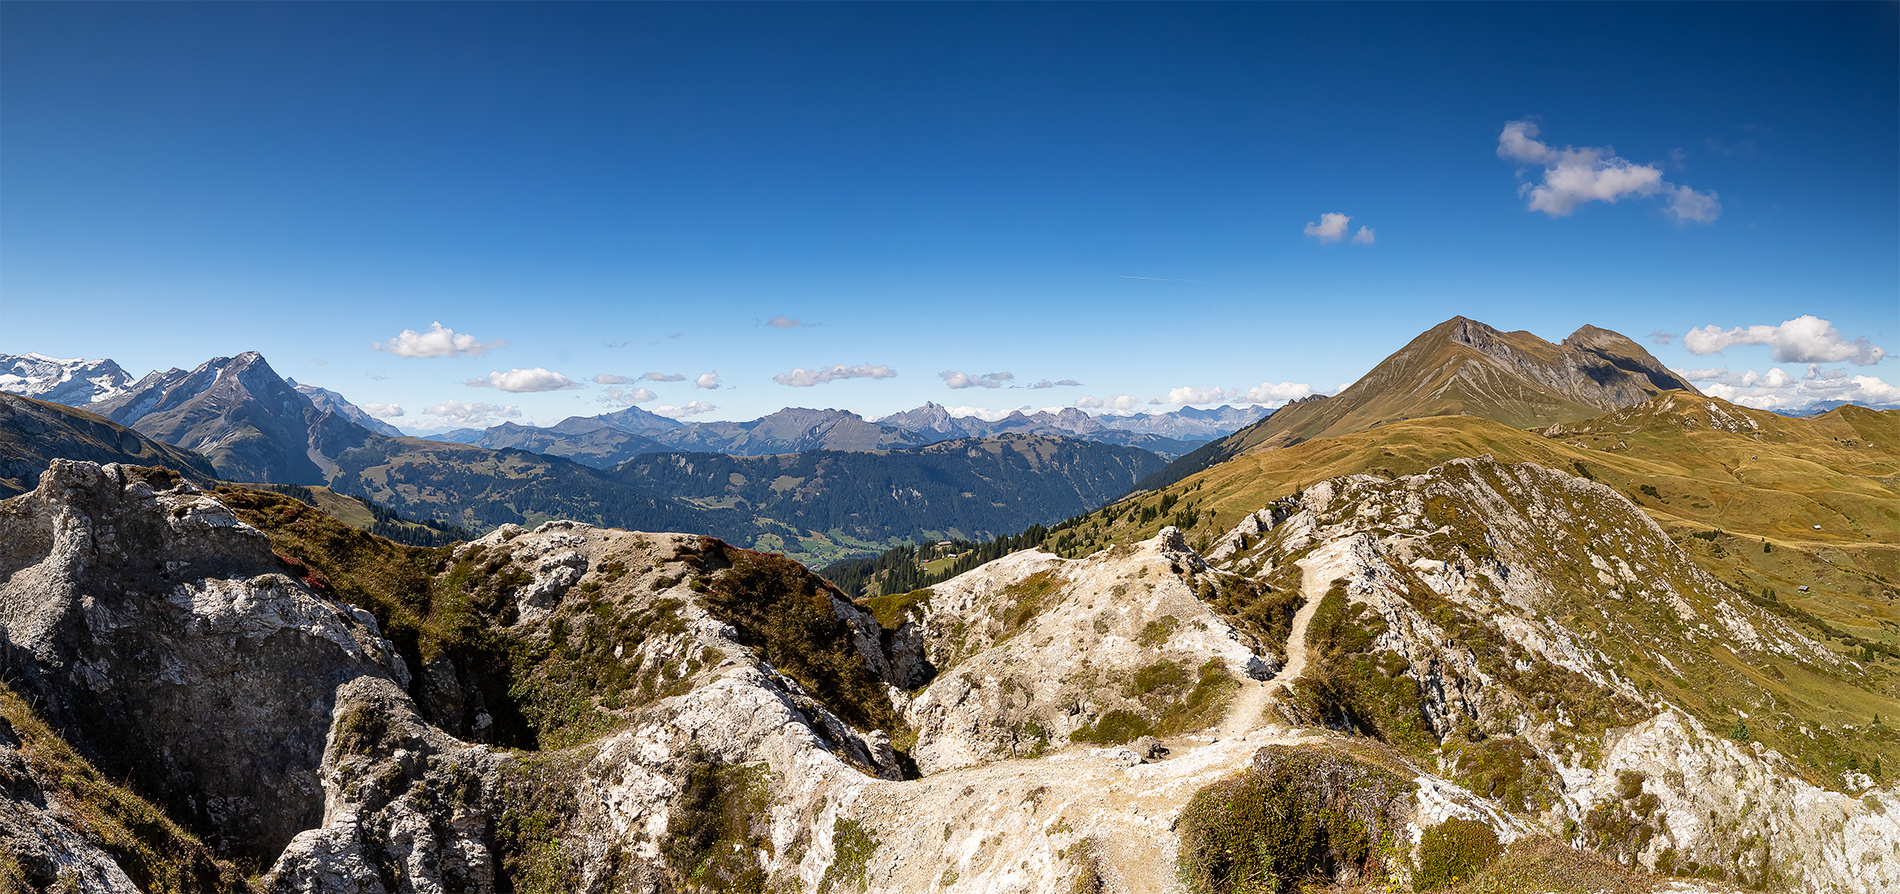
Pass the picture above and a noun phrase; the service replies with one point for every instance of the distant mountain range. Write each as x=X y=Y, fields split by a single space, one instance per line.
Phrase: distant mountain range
x=816 y=483
x=837 y=484
x=607 y=440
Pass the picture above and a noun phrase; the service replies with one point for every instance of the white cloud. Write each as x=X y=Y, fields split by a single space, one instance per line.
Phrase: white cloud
x=476 y=415
x=1778 y=390
x=624 y=397
x=1187 y=394
x=787 y=323
x=661 y=377
x=805 y=378
x=383 y=411
x=1118 y=402
x=1576 y=175
x=525 y=380
x=1331 y=227
x=1263 y=393
x=1270 y=393
x=960 y=380
x=1699 y=207
x=437 y=342
x=610 y=379
x=1365 y=236
x=692 y=408
x=708 y=381
x=1064 y=383
x=1804 y=339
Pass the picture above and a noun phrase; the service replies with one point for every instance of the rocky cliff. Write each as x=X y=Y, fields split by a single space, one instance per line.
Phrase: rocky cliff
x=1487 y=676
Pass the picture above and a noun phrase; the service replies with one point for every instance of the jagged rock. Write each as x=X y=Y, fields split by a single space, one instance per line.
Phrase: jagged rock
x=127 y=595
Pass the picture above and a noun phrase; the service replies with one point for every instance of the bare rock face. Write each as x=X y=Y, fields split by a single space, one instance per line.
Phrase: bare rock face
x=1037 y=648
x=403 y=801
x=157 y=633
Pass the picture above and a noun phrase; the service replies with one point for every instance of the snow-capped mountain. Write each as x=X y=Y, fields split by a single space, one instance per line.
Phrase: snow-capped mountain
x=75 y=382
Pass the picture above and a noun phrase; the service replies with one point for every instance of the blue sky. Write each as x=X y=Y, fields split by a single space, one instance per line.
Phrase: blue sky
x=1116 y=195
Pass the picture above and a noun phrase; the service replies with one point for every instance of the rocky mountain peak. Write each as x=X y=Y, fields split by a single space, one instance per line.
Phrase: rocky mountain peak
x=331 y=402
x=1465 y=367
x=252 y=424
x=75 y=382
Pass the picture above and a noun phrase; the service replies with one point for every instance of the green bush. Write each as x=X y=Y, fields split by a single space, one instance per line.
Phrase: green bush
x=1157 y=631
x=719 y=822
x=784 y=613
x=1506 y=770
x=1299 y=815
x=1454 y=850
x=1113 y=728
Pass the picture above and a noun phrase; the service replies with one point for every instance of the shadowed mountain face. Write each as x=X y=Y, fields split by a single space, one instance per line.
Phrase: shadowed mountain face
x=35 y=432
x=599 y=445
x=241 y=415
x=1464 y=368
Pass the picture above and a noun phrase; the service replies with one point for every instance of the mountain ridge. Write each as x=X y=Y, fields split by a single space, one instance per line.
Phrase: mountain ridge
x=1462 y=367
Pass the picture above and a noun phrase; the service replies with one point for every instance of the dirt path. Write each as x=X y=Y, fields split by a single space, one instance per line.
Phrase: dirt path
x=1254 y=696
x=1028 y=824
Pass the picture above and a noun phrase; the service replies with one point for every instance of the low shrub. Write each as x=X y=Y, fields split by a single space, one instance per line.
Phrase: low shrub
x=1454 y=850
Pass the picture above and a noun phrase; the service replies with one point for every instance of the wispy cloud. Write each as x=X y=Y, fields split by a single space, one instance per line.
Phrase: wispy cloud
x=1116 y=402
x=475 y=415
x=1662 y=338
x=960 y=380
x=439 y=341
x=1365 y=236
x=661 y=377
x=1779 y=390
x=1063 y=383
x=1804 y=339
x=525 y=380
x=1576 y=175
x=627 y=397
x=691 y=408
x=787 y=323
x=708 y=381
x=805 y=378
x=611 y=379
x=1263 y=393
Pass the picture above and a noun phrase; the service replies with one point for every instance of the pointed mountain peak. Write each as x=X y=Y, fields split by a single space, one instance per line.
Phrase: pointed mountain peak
x=1466 y=367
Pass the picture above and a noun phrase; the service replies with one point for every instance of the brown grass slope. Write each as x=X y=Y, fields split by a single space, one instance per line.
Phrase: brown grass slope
x=1753 y=485
x=1464 y=367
